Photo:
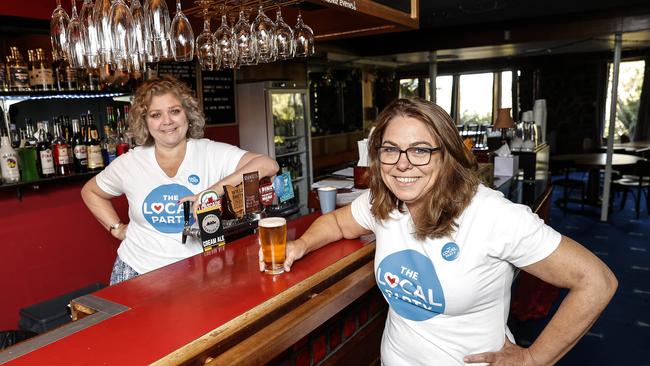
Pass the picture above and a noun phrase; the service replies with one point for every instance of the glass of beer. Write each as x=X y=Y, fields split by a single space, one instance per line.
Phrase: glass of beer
x=273 y=239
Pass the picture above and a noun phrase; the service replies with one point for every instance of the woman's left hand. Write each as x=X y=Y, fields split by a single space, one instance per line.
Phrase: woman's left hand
x=192 y=198
x=509 y=355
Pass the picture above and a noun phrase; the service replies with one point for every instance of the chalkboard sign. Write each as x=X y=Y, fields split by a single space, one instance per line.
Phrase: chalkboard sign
x=218 y=96
x=183 y=71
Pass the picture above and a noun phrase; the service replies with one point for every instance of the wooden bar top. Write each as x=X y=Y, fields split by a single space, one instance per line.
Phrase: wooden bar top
x=175 y=313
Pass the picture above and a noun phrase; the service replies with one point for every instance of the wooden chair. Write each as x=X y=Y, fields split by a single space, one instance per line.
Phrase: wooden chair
x=638 y=182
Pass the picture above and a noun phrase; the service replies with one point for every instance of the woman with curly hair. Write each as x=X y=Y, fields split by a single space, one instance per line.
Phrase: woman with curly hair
x=173 y=164
x=447 y=248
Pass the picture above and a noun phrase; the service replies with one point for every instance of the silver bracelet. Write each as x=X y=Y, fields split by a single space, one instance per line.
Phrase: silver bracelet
x=114 y=226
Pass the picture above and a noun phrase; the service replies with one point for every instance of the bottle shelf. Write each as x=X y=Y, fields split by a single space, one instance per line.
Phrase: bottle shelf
x=57 y=94
x=290 y=137
x=36 y=184
x=290 y=154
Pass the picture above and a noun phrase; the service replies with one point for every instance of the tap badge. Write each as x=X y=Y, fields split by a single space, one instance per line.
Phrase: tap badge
x=209 y=214
x=211 y=223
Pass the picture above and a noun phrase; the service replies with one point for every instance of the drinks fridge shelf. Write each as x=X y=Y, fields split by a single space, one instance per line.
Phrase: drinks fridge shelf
x=273 y=119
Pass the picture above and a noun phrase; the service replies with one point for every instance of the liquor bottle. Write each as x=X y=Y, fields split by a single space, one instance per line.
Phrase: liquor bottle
x=109 y=145
x=62 y=163
x=80 y=151
x=31 y=57
x=14 y=135
x=95 y=158
x=66 y=76
x=128 y=134
x=110 y=118
x=41 y=75
x=44 y=155
x=18 y=71
x=27 y=154
x=3 y=77
x=46 y=128
x=32 y=136
x=91 y=79
x=122 y=143
x=8 y=161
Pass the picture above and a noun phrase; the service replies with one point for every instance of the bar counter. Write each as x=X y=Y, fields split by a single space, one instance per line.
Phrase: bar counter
x=214 y=308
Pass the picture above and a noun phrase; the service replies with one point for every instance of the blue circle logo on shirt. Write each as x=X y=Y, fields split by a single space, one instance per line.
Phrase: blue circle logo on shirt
x=450 y=251
x=161 y=209
x=409 y=282
x=194 y=179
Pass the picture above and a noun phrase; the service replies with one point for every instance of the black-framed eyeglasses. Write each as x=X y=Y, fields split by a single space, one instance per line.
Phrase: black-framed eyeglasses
x=417 y=156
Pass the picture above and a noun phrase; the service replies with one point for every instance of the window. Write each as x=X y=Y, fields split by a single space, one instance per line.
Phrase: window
x=444 y=90
x=408 y=88
x=475 y=104
x=630 y=79
x=506 y=89
x=477 y=94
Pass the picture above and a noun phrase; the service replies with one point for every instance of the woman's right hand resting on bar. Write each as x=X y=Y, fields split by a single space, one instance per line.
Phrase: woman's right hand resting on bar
x=334 y=226
x=295 y=250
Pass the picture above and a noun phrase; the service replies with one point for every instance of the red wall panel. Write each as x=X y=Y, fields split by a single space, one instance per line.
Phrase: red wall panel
x=51 y=245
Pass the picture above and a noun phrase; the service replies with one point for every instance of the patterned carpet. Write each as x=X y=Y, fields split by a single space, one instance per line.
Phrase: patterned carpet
x=621 y=336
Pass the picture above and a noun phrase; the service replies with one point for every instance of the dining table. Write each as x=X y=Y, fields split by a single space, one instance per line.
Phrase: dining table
x=593 y=163
x=636 y=147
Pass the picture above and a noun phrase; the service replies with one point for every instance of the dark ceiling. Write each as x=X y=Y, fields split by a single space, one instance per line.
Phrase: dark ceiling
x=481 y=29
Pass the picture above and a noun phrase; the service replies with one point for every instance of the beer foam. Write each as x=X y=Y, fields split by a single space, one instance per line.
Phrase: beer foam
x=272 y=222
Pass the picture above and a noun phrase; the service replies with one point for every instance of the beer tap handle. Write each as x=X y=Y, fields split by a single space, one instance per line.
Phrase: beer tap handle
x=186 y=217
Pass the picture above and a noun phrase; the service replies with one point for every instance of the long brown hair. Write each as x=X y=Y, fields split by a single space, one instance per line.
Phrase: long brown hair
x=161 y=86
x=456 y=182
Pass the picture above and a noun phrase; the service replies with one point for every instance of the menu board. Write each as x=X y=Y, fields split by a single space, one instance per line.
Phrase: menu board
x=218 y=96
x=216 y=89
x=183 y=71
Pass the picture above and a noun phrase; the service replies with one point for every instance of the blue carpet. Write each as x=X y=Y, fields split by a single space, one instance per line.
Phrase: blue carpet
x=621 y=336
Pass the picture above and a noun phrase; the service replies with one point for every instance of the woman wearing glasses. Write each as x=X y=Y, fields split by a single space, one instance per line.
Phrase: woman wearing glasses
x=447 y=248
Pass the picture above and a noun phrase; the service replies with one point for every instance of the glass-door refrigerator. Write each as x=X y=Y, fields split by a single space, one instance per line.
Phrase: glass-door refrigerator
x=273 y=119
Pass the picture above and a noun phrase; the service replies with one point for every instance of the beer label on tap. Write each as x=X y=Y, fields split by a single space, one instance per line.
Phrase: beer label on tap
x=209 y=215
x=267 y=193
x=235 y=199
x=251 y=192
x=283 y=187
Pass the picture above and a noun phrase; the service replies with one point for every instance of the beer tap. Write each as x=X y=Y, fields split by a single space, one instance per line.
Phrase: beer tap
x=187 y=230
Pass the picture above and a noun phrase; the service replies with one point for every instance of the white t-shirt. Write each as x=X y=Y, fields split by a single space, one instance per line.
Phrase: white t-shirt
x=450 y=297
x=153 y=238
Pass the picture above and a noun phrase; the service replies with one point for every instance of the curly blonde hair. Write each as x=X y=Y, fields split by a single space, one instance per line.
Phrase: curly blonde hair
x=160 y=86
x=455 y=184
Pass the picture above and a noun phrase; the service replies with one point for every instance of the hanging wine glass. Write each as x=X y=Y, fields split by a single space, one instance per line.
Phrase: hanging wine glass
x=244 y=39
x=138 y=51
x=121 y=25
x=264 y=36
x=226 y=44
x=76 y=48
x=102 y=16
x=303 y=37
x=89 y=29
x=206 y=51
x=58 y=28
x=157 y=29
x=283 y=41
x=181 y=36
